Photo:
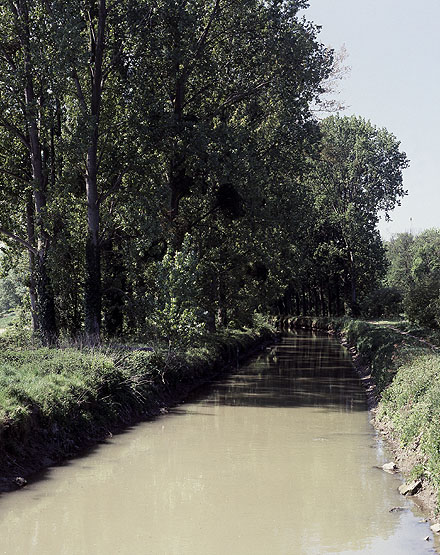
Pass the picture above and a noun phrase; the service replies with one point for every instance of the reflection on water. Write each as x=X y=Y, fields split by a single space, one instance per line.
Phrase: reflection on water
x=276 y=459
x=312 y=371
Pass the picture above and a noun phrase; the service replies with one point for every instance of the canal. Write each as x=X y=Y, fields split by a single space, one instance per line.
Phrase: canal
x=276 y=458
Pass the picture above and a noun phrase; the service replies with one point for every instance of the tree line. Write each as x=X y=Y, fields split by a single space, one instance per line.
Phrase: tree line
x=412 y=283
x=163 y=172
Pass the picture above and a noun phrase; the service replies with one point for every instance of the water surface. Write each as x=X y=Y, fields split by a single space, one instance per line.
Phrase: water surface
x=278 y=458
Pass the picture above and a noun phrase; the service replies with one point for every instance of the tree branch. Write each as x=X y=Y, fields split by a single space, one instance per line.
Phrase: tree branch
x=114 y=187
x=79 y=92
x=8 y=58
x=16 y=132
x=236 y=97
x=19 y=240
x=202 y=40
x=16 y=176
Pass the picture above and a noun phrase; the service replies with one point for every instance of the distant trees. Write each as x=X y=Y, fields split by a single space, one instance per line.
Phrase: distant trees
x=414 y=269
x=354 y=173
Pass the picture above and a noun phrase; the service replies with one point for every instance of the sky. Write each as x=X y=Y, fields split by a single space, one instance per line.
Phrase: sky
x=393 y=49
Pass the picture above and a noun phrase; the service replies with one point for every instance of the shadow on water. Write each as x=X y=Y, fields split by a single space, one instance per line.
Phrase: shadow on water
x=302 y=371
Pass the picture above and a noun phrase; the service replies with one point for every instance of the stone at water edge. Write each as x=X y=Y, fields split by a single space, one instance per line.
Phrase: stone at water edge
x=390 y=467
x=435 y=528
x=411 y=488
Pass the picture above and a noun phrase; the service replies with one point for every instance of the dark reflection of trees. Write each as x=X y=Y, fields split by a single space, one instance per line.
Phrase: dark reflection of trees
x=303 y=370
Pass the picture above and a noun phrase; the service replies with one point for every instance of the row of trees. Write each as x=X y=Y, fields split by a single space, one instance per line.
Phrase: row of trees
x=354 y=174
x=413 y=276
x=162 y=170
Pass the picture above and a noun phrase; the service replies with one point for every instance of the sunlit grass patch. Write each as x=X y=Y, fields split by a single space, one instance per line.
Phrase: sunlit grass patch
x=7 y=320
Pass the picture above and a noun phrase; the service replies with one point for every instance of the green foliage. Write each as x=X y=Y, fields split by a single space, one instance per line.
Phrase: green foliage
x=11 y=292
x=174 y=314
x=353 y=173
x=400 y=260
x=415 y=270
x=8 y=320
x=385 y=302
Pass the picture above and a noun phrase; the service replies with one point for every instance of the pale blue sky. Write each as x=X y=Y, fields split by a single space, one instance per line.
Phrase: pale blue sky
x=393 y=50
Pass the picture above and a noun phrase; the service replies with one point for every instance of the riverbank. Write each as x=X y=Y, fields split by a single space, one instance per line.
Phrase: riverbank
x=401 y=375
x=55 y=403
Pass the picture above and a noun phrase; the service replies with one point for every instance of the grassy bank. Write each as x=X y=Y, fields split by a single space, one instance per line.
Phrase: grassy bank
x=407 y=374
x=54 y=402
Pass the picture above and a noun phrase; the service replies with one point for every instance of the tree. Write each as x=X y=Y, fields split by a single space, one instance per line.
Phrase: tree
x=400 y=259
x=226 y=121
x=355 y=174
x=28 y=128
x=422 y=299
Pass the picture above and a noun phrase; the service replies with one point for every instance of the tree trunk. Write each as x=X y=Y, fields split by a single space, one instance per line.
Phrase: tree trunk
x=354 y=307
x=330 y=299
x=222 y=316
x=93 y=293
x=32 y=282
x=45 y=304
x=338 y=296
x=113 y=294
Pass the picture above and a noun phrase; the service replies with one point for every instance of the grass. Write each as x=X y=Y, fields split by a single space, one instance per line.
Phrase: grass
x=426 y=334
x=7 y=320
x=411 y=405
x=66 y=394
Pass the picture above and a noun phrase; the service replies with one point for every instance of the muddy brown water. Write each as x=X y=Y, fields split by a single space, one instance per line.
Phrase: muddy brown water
x=277 y=458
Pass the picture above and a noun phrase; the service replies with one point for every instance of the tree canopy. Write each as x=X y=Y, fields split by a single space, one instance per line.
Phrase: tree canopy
x=163 y=170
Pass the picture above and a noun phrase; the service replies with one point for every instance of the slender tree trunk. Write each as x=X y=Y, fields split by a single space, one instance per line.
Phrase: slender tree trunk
x=222 y=316
x=322 y=297
x=45 y=303
x=113 y=294
x=177 y=183
x=338 y=297
x=32 y=283
x=353 y=292
x=330 y=299
x=93 y=292
x=93 y=251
